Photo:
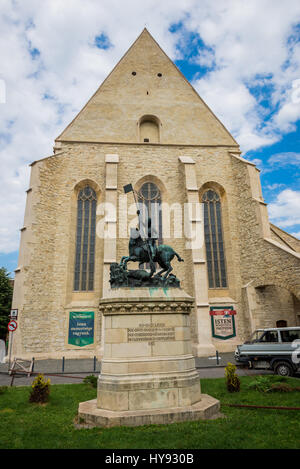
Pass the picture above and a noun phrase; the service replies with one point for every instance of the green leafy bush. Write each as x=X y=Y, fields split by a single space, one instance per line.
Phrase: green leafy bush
x=260 y=383
x=92 y=380
x=40 y=390
x=233 y=383
x=269 y=383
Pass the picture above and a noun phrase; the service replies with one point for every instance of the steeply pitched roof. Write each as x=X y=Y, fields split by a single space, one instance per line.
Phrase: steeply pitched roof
x=146 y=82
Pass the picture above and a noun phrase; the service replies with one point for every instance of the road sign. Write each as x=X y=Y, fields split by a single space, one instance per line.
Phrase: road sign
x=13 y=314
x=12 y=326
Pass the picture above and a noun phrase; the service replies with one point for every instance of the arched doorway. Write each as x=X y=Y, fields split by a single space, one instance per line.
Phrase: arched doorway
x=281 y=323
x=275 y=306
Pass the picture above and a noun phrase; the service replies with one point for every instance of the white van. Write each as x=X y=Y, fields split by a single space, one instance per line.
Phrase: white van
x=277 y=349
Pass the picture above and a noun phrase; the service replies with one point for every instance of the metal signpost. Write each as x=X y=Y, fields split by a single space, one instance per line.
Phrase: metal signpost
x=12 y=326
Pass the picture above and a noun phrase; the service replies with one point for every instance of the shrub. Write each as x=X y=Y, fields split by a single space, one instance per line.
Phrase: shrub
x=232 y=380
x=260 y=383
x=92 y=380
x=267 y=382
x=40 y=390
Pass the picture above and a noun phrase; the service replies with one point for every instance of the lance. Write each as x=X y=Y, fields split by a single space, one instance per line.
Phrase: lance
x=128 y=188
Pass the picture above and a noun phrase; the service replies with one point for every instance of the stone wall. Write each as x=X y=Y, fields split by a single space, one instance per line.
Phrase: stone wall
x=48 y=267
x=274 y=304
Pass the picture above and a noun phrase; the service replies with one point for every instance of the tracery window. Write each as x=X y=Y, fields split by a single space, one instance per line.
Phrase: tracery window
x=149 y=197
x=85 y=240
x=213 y=235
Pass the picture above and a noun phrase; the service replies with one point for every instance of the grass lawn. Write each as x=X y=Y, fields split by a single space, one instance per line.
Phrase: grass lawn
x=28 y=425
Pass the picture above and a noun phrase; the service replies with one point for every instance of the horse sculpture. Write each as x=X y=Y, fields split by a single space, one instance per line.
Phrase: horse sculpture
x=139 y=251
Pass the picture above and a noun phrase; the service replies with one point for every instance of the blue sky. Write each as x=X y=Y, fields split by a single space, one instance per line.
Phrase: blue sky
x=242 y=57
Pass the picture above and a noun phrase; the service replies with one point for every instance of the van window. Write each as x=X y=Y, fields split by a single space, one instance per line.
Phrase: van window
x=290 y=336
x=269 y=336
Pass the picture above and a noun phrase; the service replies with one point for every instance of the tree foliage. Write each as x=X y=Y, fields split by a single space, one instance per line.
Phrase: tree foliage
x=6 y=291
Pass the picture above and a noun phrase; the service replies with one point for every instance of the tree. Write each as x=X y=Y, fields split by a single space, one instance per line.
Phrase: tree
x=6 y=292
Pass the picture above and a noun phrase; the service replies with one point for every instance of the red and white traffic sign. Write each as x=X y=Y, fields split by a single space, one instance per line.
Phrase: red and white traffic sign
x=12 y=326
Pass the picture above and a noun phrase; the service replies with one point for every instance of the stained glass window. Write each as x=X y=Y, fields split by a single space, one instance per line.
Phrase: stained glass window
x=85 y=240
x=214 y=243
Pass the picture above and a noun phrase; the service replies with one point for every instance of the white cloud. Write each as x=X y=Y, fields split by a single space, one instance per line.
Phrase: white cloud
x=285 y=210
x=253 y=44
x=50 y=68
x=236 y=107
x=257 y=162
x=288 y=158
x=273 y=187
x=289 y=113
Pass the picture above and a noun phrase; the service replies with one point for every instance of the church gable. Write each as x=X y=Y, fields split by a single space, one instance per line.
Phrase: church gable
x=146 y=94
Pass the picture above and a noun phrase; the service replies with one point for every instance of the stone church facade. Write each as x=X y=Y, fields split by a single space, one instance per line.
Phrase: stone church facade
x=147 y=126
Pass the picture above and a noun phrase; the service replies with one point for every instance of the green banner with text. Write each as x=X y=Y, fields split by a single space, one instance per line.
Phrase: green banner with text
x=81 y=328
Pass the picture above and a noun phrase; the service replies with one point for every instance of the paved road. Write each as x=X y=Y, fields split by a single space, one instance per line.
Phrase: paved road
x=76 y=370
x=71 y=378
x=21 y=380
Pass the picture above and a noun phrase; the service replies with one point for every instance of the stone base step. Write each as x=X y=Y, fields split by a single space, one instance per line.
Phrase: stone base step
x=89 y=414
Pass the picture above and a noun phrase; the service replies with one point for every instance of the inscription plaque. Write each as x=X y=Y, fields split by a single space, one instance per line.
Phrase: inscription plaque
x=150 y=333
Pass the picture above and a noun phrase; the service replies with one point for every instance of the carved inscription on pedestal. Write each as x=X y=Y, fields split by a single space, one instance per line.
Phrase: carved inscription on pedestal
x=150 y=333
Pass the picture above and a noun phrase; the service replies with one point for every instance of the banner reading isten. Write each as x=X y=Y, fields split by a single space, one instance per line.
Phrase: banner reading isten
x=81 y=328
x=222 y=322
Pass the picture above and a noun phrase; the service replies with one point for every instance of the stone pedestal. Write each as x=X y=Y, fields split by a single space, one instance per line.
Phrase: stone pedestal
x=148 y=372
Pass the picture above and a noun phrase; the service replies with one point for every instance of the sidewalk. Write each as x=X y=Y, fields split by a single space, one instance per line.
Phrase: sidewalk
x=86 y=365
x=74 y=371
x=92 y=365
x=59 y=371
x=221 y=360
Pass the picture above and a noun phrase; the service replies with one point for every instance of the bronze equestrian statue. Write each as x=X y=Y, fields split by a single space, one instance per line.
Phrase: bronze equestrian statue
x=145 y=251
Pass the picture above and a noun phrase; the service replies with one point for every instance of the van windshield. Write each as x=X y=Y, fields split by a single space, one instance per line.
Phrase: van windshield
x=264 y=336
x=256 y=336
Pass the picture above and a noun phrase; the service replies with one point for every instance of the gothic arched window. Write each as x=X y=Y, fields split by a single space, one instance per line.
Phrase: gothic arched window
x=85 y=240
x=214 y=243
x=149 y=198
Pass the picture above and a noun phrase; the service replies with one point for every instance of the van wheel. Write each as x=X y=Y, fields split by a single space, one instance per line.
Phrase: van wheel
x=283 y=369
